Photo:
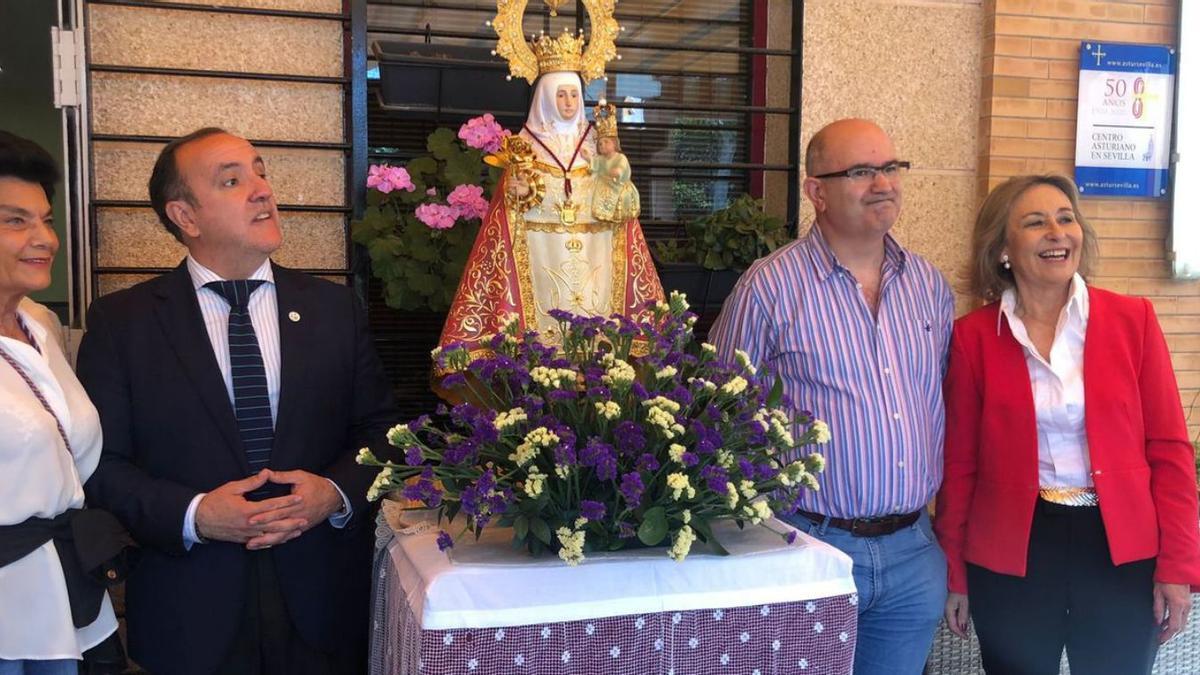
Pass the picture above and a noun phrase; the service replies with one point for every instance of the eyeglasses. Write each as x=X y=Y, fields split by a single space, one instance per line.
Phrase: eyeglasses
x=864 y=173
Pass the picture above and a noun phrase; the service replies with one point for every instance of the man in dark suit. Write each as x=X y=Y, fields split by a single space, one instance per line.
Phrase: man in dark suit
x=233 y=395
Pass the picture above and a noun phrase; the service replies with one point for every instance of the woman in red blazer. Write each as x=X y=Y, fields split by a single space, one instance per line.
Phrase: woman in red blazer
x=1068 y=508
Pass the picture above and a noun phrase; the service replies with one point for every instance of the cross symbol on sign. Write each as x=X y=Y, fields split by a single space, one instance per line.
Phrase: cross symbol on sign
x=1099 y=54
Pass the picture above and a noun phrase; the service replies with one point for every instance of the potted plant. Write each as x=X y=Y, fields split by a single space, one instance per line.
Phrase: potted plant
x=587 y=449
x=422 y=218
x=720 y=246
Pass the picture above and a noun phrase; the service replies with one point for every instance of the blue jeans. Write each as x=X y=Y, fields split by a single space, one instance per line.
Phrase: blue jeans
x=30 y=667
x=901 y=580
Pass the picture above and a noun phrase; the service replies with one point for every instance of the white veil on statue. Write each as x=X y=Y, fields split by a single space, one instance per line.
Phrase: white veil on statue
x=545 y=123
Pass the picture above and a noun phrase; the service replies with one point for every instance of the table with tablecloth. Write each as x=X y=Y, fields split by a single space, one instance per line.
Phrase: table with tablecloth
x=486 y=608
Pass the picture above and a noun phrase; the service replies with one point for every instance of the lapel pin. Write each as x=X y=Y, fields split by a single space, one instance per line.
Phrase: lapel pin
x=294 y=316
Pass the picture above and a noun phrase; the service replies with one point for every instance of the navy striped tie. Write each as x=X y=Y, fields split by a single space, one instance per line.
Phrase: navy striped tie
x=250 y=399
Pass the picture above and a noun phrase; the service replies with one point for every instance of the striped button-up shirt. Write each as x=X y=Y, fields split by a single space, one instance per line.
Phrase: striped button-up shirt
x=875 y=379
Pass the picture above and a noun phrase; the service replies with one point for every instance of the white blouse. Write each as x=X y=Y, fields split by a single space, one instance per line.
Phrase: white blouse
x=38 y=477
x=1063 y=459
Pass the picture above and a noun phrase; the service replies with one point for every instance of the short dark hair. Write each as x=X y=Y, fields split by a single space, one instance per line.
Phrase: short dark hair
x=167 y=184
x=23 y=159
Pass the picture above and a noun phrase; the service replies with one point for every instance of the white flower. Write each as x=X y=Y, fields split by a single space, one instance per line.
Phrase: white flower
x=664 y=421
x=843 y=636
x=735 y=386
x=519 y=659
x=775 y=645
x=640 y=623
x=617 y=373
x=810 y=607
x=399 y=435
x=820 y=432
x=589 y=629
x=682 y=543
x=566 y=656
x=535 y=482
x=563 y=471
x=676 y=618
x=731 y=494
x=766 y=609
x=675 y=452
x=505 y=420
x=448 y=639
x=472 y=664
x=666 y=373
x=803 y=664
x=744 y=637
x=609 y=410
x=686 y=516
x=818 y=627
x=572 y=545
x=693 y=643
x=743 y=360
x=615 y=651
x=664 y=403
x=553 y=378
x=708 y=348
x=535 y=440
x=725 y=659
x=718 y=615
x=545 y=632
x=499 y=634
x=658 y=644
x=365 y=455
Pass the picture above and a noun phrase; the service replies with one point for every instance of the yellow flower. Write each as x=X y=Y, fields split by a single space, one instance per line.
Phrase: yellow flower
x=682 y=543
x=679 y=485
x=676 y=452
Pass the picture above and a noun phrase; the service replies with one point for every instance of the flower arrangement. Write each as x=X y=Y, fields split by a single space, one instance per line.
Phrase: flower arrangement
x=585 y=448
x=417 y=241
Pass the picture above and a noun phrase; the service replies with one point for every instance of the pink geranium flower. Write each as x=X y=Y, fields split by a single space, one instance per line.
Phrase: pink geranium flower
x=483 y=133
x=387 y=178
x=437 y=216
x=468 y=201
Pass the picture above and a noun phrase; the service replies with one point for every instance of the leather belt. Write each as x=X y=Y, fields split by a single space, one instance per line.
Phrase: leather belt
x=867 y=527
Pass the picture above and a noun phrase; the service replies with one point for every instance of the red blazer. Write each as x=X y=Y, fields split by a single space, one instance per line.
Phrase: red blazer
x=1142 y=460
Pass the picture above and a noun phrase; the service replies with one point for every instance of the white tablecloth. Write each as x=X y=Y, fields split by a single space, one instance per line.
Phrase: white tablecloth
x=489 y=584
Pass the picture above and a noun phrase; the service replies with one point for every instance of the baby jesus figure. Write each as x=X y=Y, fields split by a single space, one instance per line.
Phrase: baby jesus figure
x=615 y=199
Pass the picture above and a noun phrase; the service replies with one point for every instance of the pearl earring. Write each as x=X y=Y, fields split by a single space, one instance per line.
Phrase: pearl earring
x=1004 y=262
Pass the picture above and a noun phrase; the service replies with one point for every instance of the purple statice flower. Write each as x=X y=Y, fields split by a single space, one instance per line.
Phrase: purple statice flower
x=592 y=510
x=454 y=380
x=715 y=477
x=766 y=472
x=681 y=396
x=462 y=452
x=561 y=315
x=746 y=466
x=707 y=440
x=629 y=437
x=625 y=530
x=481 y=501
x=419 y=423
x=639 y=391
x=790 y=537
x=647 y=462
x=632 y=488
x=600 y=393
x=600 y=456
x=561 y=395
x=713 y=413
x=412 y=455
x=444 y=540
x=565 y=455
x=690 y=459
x=424 y=490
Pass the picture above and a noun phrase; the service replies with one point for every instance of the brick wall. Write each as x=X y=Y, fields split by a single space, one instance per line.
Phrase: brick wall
x=1027 y=125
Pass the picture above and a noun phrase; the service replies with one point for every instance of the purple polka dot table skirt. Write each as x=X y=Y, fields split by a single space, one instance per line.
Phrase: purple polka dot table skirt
x=815 y=635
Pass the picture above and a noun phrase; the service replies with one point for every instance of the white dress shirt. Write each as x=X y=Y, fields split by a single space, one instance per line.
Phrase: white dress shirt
x=1063 y=459
x=264 y=315
x=39 y=477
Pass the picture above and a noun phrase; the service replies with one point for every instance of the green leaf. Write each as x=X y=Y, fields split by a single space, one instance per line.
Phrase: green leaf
x=443 y=143
x=540 y=529
x=703 y=527
x=521 y=526
x=654 y=526
x=422 y=165
x=776 y=394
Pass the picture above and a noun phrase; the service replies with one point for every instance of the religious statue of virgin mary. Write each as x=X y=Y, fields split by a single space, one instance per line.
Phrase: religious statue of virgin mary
x=541 y=246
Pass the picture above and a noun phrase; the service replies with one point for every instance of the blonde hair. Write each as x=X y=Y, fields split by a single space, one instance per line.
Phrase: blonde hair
x=987 y=279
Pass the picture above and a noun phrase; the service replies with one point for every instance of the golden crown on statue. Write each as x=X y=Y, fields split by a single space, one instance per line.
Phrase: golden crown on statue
x=606 y=120
x=567 y=52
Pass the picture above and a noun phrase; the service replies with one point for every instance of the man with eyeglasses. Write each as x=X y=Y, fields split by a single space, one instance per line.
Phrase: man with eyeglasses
x=858 y=330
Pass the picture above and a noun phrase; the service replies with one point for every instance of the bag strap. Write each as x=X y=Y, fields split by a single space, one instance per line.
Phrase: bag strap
x=33 y=387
